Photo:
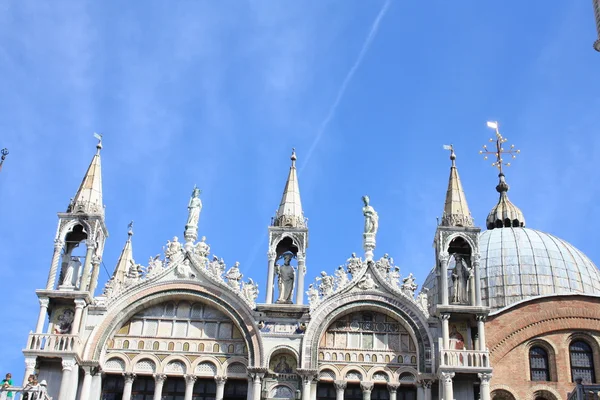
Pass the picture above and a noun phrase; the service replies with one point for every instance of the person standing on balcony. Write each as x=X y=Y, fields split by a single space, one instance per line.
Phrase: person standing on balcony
x=31 y=389
x=6 y=383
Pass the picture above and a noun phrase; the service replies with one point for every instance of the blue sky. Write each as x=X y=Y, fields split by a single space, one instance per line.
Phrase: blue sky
x=217 y=93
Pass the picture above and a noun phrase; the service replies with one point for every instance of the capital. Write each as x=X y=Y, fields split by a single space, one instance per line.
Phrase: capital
x=366 y=386
x=220 y=380
x=90 y=243
x=426 y=383
x=129 y=377
x=30 y=363
x=271 y=255
x=444 y=256
x=393 y=387
x=446 y=377
x=44 y=301
x=485 y=377
x=68 y=364
x=190 y=379
x=308 y=375
x=481 y=318
x=79 y=303
x=301 y=257
x=96 y=259
x=445 y=317
x=340 y=385
x=160 y=378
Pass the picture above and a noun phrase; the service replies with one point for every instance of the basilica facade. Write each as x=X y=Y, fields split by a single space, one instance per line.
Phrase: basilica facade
x=507 y=313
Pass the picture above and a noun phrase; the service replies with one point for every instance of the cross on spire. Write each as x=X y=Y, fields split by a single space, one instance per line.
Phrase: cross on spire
x=500 y=151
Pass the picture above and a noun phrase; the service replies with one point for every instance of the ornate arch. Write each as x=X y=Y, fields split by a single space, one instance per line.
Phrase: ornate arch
x=545 y=391
x=550 y=351
x=472 y=244
x=132 y=303
x=69 y=225
x=211 y=359
x=503 y=392
x=338 y=306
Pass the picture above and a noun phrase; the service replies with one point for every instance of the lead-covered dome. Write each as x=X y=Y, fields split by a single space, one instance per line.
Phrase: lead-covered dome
x=519 y=263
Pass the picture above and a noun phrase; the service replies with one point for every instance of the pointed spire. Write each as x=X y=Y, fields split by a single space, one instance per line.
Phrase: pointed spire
x=89 y=195
x=456 y=210
x=125 y=259
x=596 y=4
x=290 y=212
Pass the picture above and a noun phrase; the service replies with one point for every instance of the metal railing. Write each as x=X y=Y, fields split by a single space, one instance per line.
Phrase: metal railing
x=465 y=359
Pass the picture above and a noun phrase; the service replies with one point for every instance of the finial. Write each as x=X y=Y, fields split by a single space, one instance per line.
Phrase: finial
x=130 y=227
x=500 y=151
x=99 y=145
x=293 y=157
x=4 y=153
x=452 y=155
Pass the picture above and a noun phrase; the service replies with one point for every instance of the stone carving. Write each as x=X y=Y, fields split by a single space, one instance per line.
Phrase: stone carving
x=194 y=207
x=250 y=290
x=409 y=286
x=394 y=277
x=422 y=299
x=286 y=278
x=73 y=269
x=234 y=276
x=354 y=264
x=460 y=277
x=184 y=270
x=326 y=285
x=341 y=278
x=155 y=266
x=371 y=217
x=202 y=249
x=366 y=282
x=173 y=249
x=384 y=264
x=64 y=321
x=135 y=271
x=313 y=295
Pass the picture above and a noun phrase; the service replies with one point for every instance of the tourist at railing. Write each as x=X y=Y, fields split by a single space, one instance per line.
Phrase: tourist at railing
x=6 y=383
x=31 y=391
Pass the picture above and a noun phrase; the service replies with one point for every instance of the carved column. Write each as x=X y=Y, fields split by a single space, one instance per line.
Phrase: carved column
x=79 y=304
x=159 y=381
x=445 y=331
x=366 y=387
x=427 y=384
x=86 y=387
x=30 y=363
x=393 y=389
x=270 y=277
x=484 y=387
x=220 y=386
x=257 y=387
x=446 y=378
x=58 y=245
x=308 y=375
x=95 y=271
x=477 y=279
x=190 y=380
x=340 y=387
x=129 y=378
x=444 y=257
x=481 y=332
x=87 y=264
x=65 y=384
x=472 y=294
x=250 y=392
x=44 y=301
x=96 y=392
x=301 y=273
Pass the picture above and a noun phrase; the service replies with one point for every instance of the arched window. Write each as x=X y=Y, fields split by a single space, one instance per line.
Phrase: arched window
x=582 y=362
x=538 y=364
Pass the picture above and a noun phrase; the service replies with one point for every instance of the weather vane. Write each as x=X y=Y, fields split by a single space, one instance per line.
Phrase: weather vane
x=130 y=227
x=500 y=151
x=4 y=153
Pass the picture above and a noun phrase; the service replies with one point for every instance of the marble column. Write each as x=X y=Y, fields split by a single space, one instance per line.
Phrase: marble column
x=427 y=384
x=58 y=245
x=340 y=387
x=95 y=272
x=220 y=387
x=159 y=381
x=301 y=273
x=477 y=280
x=249 y=392
x=445 y=332
x=129 y=378
x=39 y=327
x=446 y=379
x=393 y=389
x=481 y=332
x=367 y=388
x=472 y=294
x=96 y=392
x=306 y=388
x=30 y=363
x=65 y=384
x=257 y=387
x=87 y=264
x=190 y=380
x=86 y=387
x=444 y=257
x=484 y=387
x=79 y=304
x=270 y=276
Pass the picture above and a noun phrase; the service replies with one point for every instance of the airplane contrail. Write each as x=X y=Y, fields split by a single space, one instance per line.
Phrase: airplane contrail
x=346 y=82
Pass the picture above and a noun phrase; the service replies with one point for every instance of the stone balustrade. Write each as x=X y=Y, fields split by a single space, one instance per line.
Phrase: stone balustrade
x=471 y=359
x=53 y=343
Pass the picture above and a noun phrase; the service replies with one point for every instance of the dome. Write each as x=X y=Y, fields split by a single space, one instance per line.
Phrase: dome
x=519 y=263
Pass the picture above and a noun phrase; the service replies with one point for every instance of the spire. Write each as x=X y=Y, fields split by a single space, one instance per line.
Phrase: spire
x=89 y=195
x=456 y=210
x=290 y=212
x=596 y=4
x=125 y=259
x=504 y=214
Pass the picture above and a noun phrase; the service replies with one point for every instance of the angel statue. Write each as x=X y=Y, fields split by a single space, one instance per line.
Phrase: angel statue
x=154 y=265
x=250 y=290
x=409 y=286
x=234 y=276
x=341 y=277
x=313 y=295
x=202 y=249
x=354 y=264
x=326 y=285
x=194 y=208
x=173 y=248
x=371 y=217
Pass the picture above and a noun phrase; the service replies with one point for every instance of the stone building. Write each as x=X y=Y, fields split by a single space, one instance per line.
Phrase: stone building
x=507 y=313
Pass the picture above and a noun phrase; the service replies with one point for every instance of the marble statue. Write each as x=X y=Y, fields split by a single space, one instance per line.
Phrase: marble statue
x=250 y=290
x=72 y=268
x=154 y=265
x=422 y=299
x=173 y=248
x=194 y=208
x=371 y=217
x=394 y=277
x=367 y=282
x=354 y=264
x=384 y=264
x=234 y=276
x=459 y=280
x=313 y=295
x=202 y=249
x=409 y=286
x=341 y=278
x=184 y=270
x=135 y=270
x=213 y=266
x=326 y=285
x=286 y=277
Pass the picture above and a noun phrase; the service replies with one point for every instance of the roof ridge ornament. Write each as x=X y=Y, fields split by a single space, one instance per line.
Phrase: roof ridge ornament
x=505 y=214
